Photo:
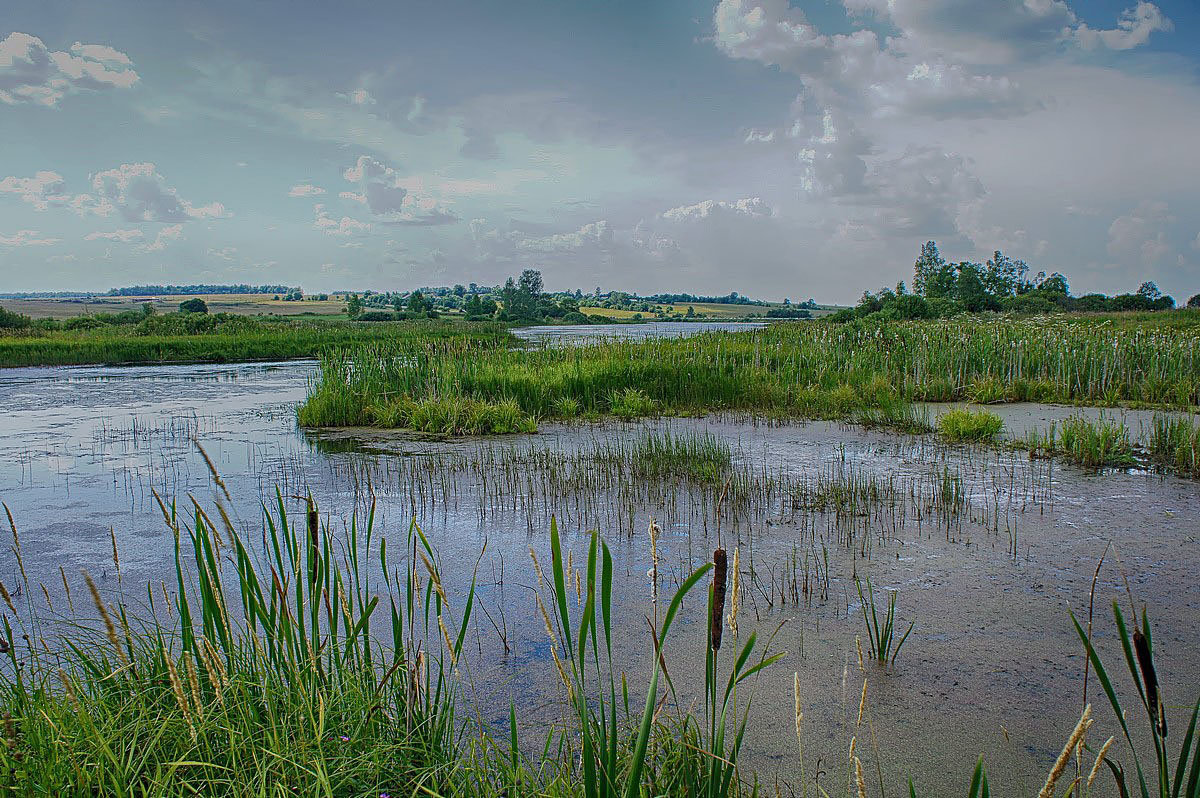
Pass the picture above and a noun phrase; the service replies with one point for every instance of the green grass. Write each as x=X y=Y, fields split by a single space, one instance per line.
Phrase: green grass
x=855 y=371
x=1174 y=444
x=1103 y=443
x=218 y=339
x=300 y=669
x=969 y=426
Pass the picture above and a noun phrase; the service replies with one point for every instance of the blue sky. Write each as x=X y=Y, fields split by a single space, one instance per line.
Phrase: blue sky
x=775 y=149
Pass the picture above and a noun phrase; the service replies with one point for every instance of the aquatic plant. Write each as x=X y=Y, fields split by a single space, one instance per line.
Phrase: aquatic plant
x=814 y=370
x=961 y=425
x=1172 y=778
x=884 y=643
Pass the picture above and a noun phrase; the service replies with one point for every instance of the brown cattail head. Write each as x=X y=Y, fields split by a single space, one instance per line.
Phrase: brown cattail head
x=1141 y=647
x=716 y=624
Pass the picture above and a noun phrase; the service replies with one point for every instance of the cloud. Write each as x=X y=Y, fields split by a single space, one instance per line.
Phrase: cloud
x=139 y=193
x=225 y=253
x=381 y=190
x=124 y=236
x=345 y=226
x=40 y=191
x=30 y=73
x=1140 y=236
x=26 y=238
x=750 y=206
x=358 y=97
x=306 y=190
x=1133 y=29
x=165 y=236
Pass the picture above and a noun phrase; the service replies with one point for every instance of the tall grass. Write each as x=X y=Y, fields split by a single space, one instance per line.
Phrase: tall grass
x=812 y=369
x=272 y=682
x=968 y=425
x=238 y=339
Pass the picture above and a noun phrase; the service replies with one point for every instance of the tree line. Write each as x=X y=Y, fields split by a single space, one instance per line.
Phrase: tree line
x=941 y=288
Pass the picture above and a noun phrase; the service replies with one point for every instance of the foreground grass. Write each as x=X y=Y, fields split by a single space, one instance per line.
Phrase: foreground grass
x=222 y=339
x=277 y=684
x=859 y=371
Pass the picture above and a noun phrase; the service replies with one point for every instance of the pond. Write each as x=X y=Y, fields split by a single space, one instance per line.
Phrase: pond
x=987 y=550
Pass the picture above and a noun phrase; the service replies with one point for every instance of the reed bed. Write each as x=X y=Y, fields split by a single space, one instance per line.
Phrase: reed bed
x=812 y=369
x=239 y=340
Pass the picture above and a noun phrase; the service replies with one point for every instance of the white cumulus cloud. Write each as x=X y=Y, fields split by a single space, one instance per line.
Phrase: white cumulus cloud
x=32 y=73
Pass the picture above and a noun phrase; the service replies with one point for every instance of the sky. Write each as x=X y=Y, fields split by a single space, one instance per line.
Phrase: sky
x=802 y=149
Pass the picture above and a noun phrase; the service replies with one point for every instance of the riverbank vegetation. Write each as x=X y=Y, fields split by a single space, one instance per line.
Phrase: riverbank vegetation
x=304 y=671
x=861 y=371
x=942 y=289
x=140 y=337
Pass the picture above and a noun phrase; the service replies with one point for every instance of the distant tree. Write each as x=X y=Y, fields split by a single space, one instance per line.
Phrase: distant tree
x=925 y=270
x=147 y=309
x=969 y=288
x=1149 y=290
x=397 y=303
x=460 y=289
x=417 y=303
x=1194 y=302
x=354 y=305
x=196 y=305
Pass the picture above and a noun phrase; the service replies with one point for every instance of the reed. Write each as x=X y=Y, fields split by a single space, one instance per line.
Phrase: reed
x=812 y=370
x=885 y=643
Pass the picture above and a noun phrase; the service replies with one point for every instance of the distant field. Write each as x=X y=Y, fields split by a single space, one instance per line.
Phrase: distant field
x=243 y=304
x=709 y=309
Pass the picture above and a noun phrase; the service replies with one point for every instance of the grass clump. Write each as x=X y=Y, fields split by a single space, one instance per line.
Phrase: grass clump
x=1103 y=443
x=884 y=643
x=273 y=682
x=963 y=425
x=1174 y=443
x=454 y=416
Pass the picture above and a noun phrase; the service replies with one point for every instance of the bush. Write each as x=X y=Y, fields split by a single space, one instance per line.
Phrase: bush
x=968 y=425
x=1027 y=304
x=13 y=321
x=1194 y=302
x=196 y=305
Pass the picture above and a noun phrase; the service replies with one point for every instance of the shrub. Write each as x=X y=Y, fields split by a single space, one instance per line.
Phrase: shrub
x=196 y=305
x=968 y=425
x=13 y=321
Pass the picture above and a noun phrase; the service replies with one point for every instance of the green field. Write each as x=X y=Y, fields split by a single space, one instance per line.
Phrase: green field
x=225 y=338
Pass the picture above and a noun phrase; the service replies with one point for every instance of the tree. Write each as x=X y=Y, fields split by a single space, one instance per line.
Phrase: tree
x=1004 y=276
x=460 y=289
x=397 y=303
x=969 y=288
x=1149 y=290
x=354 y=305
x=196 y=305
x=1194 y=302
x=929 y=264
x=531 y=283
x=417 y=303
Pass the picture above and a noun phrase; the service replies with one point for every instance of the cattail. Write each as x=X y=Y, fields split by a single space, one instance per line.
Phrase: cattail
x=735 y=600
x=858 y=645
x=1060 y=764
x=110 y=631
x=862 y=703
x=1099 y=761
x=858 y=778
x=1145 y=658
x=716 y=622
